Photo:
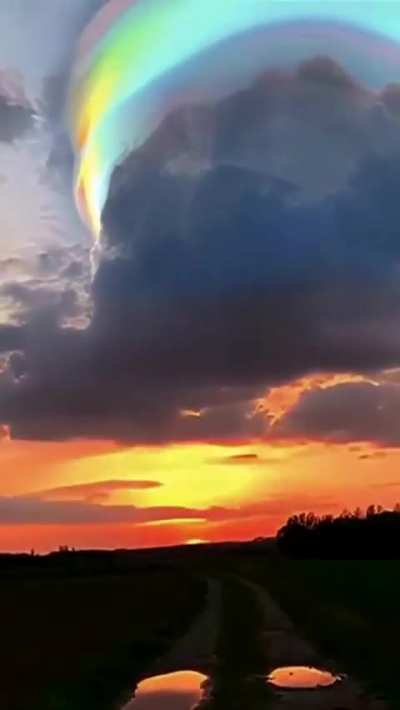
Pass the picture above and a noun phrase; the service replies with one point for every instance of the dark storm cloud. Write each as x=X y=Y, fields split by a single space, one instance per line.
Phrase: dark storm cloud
x=245 y=244
x=348 y=412
x=94 y=401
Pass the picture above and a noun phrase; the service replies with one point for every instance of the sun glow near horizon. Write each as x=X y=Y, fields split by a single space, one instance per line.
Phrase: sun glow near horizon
x=188 y=487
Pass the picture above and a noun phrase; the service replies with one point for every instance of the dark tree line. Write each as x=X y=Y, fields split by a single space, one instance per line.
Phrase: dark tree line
x=374 y=534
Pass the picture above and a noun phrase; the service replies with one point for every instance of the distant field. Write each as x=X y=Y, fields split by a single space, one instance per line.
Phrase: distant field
x=76 y=643
x=349 y=608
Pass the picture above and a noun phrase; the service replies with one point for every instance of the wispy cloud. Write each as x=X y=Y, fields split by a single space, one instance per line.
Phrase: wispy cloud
x=243 y=458
x=32 y=510
x=94 y=492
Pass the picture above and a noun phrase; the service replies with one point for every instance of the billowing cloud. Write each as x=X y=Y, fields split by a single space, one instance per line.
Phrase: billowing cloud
x=347 y=412
x=251 y=271
x=278 y=401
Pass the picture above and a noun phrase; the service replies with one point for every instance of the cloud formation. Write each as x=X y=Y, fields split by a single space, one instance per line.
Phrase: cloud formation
x=37 y=45
x=25 y=510
x=348 y=412
x=97 y=492
x=266 y=257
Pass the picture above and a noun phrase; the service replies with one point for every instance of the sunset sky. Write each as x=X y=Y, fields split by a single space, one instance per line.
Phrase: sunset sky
x=200 y=268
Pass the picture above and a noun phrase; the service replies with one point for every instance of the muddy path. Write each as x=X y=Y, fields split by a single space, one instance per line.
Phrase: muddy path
x=237 y=641
x=283 y=646
x=175 y=680
x=196 y=649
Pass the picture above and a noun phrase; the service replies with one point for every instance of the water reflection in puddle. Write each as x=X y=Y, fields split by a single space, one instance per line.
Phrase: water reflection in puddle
x=302 y=677
x=173 y=691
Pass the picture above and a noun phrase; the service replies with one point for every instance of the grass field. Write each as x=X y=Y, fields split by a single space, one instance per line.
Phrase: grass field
x=77 y=643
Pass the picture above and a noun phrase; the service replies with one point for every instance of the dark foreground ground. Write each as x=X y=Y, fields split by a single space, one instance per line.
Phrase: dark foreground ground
x=75 y=632
x=79 y=629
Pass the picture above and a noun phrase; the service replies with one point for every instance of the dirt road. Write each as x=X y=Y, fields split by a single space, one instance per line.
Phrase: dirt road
x=238 y=640
x=284 y=646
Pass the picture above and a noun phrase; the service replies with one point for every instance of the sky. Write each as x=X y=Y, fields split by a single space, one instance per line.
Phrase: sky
x=200 y=267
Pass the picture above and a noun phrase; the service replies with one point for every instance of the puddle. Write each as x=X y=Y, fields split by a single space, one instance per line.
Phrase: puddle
x=173 y=691
x=302 y=677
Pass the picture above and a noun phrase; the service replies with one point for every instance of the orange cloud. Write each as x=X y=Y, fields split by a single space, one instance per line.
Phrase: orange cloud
x=189 y=413
x=280 y=400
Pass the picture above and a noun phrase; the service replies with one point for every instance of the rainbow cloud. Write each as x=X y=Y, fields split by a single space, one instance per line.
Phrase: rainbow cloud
x=140 y=59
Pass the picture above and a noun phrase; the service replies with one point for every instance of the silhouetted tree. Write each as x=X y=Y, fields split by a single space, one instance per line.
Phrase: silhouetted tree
x=375 y=535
